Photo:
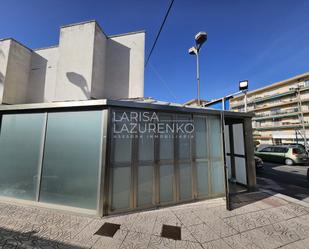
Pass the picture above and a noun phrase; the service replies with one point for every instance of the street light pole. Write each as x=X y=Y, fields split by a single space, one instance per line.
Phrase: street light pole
x=223 y=103
x=243 y=87
x=198 y=77
x=245 y=98
x=200 y=38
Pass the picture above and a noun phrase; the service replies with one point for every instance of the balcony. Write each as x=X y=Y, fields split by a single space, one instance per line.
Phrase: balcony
x=283 y=103
x=282 y=125
x=264 y=98
x=279 y=114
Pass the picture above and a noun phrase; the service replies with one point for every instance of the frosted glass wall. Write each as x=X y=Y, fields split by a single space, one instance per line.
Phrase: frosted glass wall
x=184 y=158
x=120 y=177
x=216 y=155
x=145 y=172
x=72 y=159
x=52 y=157
x=166 y=162
x=21 y=140
x=150 y=169
x=201 y=154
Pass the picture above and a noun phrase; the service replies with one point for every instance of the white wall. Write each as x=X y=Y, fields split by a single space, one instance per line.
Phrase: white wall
x=74 y=72
x=42 y=82
x=86 y=64
x=17 y=74
x=99 y=64
x=125 y=65
x=4 y=55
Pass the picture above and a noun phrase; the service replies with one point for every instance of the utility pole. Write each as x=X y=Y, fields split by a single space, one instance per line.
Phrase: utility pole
x=198 y=78
x=243 y=86
x=245 y=99
x=200 y=38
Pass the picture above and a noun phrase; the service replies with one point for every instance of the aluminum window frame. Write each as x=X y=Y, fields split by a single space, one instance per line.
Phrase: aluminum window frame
x=157 y=163
x=102 y=157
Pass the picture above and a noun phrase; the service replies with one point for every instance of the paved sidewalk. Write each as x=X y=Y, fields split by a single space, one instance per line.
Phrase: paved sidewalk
x=258 y=221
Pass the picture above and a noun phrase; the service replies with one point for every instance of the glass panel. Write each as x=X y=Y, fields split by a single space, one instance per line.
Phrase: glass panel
x=215 y=137
x=185 y=171
x=122 y=137
x=217 y=177
x=217 y=167
x=20 y=149
x=146 y=143
x=238 y=136
x=202 y=179
x=145 y=185
x=240 y=169
x=72 y=159
x=184 y=139
x=166 y=139
x=200 y=137
x=121 y=178
x=166 y=183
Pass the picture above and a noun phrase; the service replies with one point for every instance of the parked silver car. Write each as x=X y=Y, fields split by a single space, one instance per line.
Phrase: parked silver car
x=288 y=154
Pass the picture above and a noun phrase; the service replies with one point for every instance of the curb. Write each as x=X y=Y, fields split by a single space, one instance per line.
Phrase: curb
x=285 y=197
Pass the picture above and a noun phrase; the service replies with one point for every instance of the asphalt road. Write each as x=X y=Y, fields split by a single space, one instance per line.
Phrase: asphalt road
x=288 y=180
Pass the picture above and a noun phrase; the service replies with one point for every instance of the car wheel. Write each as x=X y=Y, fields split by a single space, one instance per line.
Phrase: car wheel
x=288 y=161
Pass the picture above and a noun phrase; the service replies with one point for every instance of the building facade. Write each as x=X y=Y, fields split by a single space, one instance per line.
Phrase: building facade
x=281 y=110
x=105 y=156
x=86 y=64
x=67 y=142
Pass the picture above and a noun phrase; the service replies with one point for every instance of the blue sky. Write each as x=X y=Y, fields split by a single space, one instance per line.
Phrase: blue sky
x=263 y=41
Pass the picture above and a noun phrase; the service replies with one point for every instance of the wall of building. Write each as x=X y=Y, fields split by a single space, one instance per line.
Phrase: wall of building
x=276 y=110
x=42 y=83
x=17 y=74
x=74 y=72
x=4 y=56
x=99 y=64
x=87 y=64
x=125 y=79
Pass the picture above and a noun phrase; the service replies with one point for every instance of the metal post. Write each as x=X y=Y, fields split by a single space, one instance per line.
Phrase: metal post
x=296 y=136
x=302 y=118
x=223 y=103
x=245 y=99
x=198 y=76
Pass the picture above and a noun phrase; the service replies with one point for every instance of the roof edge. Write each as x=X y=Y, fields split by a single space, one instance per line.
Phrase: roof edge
x=85 y=22
x=13 y=39
x=128 y=33
x=47 y=47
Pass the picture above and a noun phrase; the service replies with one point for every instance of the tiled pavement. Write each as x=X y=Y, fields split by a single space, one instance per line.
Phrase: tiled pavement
x=258 y=220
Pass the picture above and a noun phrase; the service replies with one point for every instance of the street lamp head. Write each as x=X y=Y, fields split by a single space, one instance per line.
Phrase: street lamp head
x=200 y=38
x=192 y=51
x=243 y=85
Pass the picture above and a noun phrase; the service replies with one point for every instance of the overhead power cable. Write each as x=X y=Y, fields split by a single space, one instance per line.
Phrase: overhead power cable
x=158 y=35
x=165 y=84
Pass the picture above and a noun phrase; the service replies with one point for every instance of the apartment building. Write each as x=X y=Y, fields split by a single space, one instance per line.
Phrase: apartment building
x=281 y=110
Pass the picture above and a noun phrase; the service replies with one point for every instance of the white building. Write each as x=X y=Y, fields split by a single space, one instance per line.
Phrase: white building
x=86 y=64
x=82 y=154
x=281 y=110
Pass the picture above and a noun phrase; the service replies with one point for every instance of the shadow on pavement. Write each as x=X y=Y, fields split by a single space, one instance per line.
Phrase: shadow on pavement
x=287 y=180
x=15 y=239
x=245 y=198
